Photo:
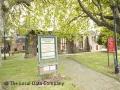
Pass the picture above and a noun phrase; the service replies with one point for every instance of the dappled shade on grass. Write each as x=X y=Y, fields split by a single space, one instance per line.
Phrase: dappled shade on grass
x=17 y=68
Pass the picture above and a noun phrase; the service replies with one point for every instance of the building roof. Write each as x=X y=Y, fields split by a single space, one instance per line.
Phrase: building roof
x=20 y=39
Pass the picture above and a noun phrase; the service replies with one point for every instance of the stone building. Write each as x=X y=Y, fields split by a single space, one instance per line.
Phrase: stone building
x=18 y=44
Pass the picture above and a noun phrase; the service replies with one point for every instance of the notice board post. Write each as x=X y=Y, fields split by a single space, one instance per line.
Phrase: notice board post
x=47 y=54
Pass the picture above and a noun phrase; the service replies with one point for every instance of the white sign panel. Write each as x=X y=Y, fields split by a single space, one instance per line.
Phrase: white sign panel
x=47 y=40
x=53 y=67
x=46 y=68
x=47 y=47
x=49 y=68
x=48 y=55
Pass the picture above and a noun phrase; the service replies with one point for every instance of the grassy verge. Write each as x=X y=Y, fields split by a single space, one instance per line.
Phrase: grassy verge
x=18 y=69
x=97 y=61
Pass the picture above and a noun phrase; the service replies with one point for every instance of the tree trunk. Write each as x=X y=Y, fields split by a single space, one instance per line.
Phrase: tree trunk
x=58 y=45
x=31 y=46
x=26 y=46
x=70 y=46
x=116 y=15
x=2 y=22
x=87 y=45
x=1 y=17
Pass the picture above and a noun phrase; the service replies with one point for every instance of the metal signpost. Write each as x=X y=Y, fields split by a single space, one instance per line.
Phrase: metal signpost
x=47 y=54
x=116 y=18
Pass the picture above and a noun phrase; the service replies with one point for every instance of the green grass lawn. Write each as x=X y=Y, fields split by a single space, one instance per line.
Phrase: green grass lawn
x=16 y=68
x=97 y=61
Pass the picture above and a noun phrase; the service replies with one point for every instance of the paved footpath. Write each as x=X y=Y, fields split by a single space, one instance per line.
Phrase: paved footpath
x=88 y=79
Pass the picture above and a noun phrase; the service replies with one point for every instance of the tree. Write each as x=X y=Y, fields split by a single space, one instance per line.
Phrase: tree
x=104 y=35
x=5 y=6
x=56 y=15
x=102 y=12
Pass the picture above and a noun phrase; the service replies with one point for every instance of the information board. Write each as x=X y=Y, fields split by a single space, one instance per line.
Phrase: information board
x=47 y=53
x=47 y=47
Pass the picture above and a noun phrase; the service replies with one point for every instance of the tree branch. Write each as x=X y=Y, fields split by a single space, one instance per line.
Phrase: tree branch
x=97 y=3
x=27 y=2
x=75 y=18
x=108 y=17
x=96 y=20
